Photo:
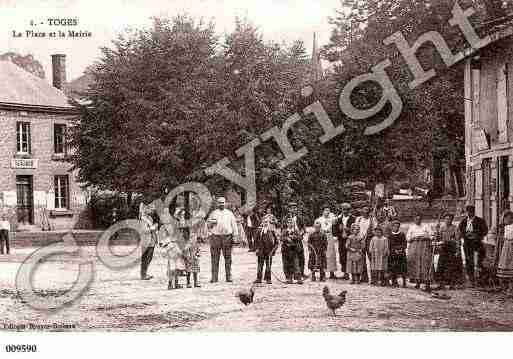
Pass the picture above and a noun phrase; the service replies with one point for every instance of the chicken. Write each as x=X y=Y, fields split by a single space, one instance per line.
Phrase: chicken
x=333 y=302
x=246 y=296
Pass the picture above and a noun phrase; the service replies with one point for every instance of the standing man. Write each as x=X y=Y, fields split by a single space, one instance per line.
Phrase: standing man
x=473 y=229
x=250 y=226
x=148 y=217
x=299 y=224
x=341 y=230
x=367 y=225
x=5 y=228
x=223 y=228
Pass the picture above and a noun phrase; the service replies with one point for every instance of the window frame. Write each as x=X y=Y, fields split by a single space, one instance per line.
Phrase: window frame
x=21 y=130
x=62 y=193
x=62 y=136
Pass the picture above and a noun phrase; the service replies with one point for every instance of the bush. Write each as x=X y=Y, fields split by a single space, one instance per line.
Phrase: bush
x=107 y=208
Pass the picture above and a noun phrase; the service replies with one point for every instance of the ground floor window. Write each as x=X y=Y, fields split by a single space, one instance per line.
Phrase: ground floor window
x=61 y=192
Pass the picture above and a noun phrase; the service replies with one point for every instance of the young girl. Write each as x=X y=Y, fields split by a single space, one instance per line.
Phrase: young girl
x=355 y=245
x=398 y=263
x=317 y=246
x=192 y=255
x=290 y=252
x=505 y=265
x=378 y=253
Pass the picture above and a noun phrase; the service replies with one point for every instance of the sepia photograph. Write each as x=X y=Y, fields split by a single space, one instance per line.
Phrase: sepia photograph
x=273 y=166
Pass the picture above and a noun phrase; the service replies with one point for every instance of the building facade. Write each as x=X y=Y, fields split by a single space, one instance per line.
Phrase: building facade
x=38 y=190
x=489 y=127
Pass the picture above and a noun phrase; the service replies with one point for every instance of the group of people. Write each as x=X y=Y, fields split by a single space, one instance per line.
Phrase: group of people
x=367 y=247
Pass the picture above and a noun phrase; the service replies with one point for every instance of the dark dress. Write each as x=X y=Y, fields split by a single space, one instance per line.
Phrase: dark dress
x=290 y=252
x=450 y=264
x=317 y=247
x=398 y=262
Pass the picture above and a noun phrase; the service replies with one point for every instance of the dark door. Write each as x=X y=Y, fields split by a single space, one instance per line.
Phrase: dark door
x=25 y=199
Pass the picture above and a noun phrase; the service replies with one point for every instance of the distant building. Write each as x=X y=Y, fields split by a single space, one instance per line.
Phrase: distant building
x=37 y=188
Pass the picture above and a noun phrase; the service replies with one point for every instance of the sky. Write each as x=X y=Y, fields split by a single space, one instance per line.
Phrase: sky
x=278 y=20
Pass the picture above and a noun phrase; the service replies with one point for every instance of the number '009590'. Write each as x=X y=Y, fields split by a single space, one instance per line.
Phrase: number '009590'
x=23 y=348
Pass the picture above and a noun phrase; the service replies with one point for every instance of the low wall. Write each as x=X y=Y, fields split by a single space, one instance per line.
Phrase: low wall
x=407 y=208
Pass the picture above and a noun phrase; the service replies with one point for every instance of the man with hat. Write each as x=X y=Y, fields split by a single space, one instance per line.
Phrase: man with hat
x=341 y=229
x=292 y=215
x=223 y=228
x=473 y=229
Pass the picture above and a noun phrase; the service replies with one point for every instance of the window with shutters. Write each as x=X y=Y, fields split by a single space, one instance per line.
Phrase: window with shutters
x=61 y=184
x=59 y=138
x=23 y=138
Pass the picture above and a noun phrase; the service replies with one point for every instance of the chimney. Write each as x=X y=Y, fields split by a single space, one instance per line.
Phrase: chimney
x=59 y=70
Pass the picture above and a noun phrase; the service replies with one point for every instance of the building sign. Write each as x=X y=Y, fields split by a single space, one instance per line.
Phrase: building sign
x=21 y=163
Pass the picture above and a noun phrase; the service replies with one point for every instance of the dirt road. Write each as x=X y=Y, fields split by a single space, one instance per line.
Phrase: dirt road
x=119 y=301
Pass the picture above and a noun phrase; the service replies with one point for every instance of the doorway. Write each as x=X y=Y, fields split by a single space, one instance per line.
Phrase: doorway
x=25 y=205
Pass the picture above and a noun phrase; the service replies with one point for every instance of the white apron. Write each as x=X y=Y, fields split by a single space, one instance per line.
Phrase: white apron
x=332 y=250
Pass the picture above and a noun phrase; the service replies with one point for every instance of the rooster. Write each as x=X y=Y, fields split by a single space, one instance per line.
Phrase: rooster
x=246 y=296
x=333 y=302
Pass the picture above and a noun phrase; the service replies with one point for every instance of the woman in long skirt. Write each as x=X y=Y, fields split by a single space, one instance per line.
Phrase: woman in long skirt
x=327 y=220
x=420 y=254
x=505 y=265
x=398 y=264
x=450 y=264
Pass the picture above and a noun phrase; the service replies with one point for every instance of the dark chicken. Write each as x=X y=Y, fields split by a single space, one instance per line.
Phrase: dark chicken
x=246 y=296
x=333 y=302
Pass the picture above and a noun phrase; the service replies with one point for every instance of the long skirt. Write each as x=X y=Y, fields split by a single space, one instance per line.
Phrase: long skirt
x=420 y=261
x=505 y=266
x=450 y=266
x=290 y=259
x=331 y=254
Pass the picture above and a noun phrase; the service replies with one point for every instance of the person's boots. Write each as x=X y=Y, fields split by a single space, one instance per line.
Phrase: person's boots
x=189 y=280
x=299 y=279
x=404 y=282
x=170 y=285
x=323 y=276
x=196 y=282
x=332 y=275
x=313 y=277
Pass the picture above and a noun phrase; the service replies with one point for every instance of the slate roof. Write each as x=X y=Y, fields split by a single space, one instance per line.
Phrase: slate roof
x=20 y=88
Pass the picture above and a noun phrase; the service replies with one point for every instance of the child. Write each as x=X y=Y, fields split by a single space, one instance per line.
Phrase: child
x=355 y=245
x=505 y=265
x=397 y=265
x=317 y=247
x=192 y=264
x=290 y=252
x=266 y=246
x=378 y=253
x=174 y=255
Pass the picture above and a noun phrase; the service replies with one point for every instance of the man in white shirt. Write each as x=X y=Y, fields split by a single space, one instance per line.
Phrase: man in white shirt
x=5 y=227
x=223 y=228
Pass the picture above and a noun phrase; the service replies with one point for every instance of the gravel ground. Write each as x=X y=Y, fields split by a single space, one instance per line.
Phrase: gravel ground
x=119 y=301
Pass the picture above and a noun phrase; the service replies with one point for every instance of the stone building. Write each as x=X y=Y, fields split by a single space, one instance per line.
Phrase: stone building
x=37 y=189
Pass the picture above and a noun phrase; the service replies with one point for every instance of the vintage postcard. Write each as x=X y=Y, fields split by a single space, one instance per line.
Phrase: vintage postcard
x=255 y=166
